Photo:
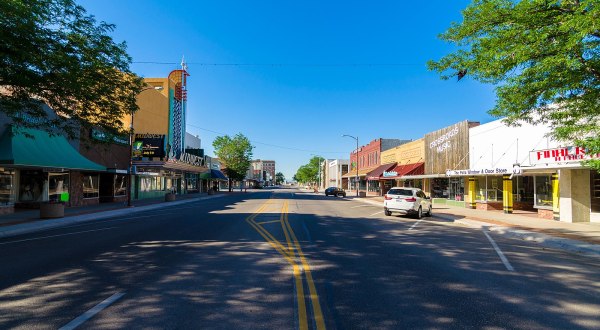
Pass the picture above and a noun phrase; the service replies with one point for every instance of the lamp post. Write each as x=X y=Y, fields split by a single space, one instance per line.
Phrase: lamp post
x=355 y=138
x=157 y=88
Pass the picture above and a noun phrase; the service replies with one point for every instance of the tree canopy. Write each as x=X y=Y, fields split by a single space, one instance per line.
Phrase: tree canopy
x=542 y=55
x=53 y=51
x=279 y=178
x=309 y=173
x=236 y=153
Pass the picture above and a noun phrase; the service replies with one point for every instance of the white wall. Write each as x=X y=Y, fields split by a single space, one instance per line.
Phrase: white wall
x=496 y=145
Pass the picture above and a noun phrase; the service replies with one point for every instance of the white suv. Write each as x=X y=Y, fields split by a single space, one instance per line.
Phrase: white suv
x=407 y=201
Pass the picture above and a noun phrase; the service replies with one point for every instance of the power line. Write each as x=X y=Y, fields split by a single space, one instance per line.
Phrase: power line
x=269 y=144
x=316 y=65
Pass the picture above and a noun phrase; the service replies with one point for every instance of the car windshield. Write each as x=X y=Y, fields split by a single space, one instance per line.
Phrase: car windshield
x=401 y=192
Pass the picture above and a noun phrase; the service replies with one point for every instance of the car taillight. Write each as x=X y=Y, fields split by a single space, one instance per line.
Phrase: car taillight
x=387 y=198
x=411 y=199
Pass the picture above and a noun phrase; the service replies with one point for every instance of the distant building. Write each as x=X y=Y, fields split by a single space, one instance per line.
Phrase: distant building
x=333 y=170
x=262 y=171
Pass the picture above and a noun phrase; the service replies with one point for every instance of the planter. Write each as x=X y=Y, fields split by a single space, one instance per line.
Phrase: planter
x=52 y=210
x=362 y=194
x=169 y=197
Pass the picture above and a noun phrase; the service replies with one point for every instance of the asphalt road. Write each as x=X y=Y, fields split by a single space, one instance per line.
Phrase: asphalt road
x=285 y=259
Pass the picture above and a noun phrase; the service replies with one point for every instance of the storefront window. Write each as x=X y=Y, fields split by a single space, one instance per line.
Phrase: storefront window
x=456 y=189
x=151 y=183
x=7 y=189
x=32 y=186
x=90 y=186
x=58 y=187
x=595 y=190
x=373 y=186
x=488 y=188
x=439 y=188
x=523 y=189
x=543 y=191
x=120 y=185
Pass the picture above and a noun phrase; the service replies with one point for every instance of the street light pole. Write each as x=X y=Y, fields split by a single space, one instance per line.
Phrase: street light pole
x=130 y=171
x=356 y=180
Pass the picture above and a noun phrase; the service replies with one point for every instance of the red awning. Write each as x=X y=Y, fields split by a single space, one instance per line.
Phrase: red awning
x=404 y=170
x=376 y=173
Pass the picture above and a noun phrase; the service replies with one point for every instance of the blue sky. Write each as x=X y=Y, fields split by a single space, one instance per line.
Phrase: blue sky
x=295 y=76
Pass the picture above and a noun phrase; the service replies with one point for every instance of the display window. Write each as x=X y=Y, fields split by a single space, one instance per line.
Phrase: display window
x=33 y=186
x=523 y=189
x=7 y=187
x=456 y=189
x=488 y=188
x=58 y=187
x=543 y=191
x=373 y=186
x=90 y=186
x=120 y=185
x=151 y=183
x=439 y=188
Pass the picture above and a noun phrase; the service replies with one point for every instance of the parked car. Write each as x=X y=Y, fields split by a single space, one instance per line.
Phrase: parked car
x=335 y=191
x=407 y=201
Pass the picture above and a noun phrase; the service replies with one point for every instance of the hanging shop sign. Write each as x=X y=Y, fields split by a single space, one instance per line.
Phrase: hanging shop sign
x=107 y=137
x=149 y=145
x=560 y=155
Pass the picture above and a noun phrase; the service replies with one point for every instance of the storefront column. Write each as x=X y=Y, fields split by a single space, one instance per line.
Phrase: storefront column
x=471 y=202
x=507 y=195
x=555 y=196
x=574 y=190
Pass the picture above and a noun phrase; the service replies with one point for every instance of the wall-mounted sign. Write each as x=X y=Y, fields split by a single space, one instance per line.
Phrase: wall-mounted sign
x=150 y=145
x=447 y=148
x=106 y=137
x=389 y=174
x=482 y=171
x=560 y=155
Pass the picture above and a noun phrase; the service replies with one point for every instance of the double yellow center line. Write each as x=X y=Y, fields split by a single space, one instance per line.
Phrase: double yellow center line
x=294 y=255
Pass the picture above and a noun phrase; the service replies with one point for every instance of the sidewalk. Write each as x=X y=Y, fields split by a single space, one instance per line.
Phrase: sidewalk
x=28 y=221
x=575 y=237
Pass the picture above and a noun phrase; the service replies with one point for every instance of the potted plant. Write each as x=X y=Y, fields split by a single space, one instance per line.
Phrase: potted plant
x=52 y=209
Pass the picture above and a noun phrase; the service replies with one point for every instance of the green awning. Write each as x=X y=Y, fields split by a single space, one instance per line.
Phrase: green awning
x=35 y=148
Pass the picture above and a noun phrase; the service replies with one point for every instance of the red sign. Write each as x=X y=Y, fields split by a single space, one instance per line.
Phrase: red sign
x=560 y=155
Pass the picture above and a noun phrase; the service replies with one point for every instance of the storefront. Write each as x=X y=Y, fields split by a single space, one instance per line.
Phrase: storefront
x=362 y=179
x=447 y=148
x=375 y=183
x=36 y=167
x=156 y=178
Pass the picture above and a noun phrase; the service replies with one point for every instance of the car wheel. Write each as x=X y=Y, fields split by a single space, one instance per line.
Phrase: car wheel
x=429 y=212
x=420 y=213
x=387 y=212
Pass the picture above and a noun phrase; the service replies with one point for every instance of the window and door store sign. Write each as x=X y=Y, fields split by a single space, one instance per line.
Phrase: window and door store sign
x=149 y=145
x=560 y=155
x=481 y=171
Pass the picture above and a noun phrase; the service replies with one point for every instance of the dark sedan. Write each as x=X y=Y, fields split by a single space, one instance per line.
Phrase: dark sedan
x=335 y=191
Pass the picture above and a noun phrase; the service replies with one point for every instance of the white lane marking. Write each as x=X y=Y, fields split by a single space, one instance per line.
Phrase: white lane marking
x=376 y=213
x=413 y=226
x=353 y=207
x=500 y=254
x=95 y=310
x=51 y=236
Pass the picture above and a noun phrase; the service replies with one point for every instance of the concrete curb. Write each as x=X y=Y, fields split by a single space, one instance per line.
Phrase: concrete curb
x=32 y=227
x=571 y=245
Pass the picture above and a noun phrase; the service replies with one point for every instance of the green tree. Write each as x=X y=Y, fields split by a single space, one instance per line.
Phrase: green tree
x=236 y=154
x=542 y=55
x=279 y=178
x=53 y=51
x=309 y=173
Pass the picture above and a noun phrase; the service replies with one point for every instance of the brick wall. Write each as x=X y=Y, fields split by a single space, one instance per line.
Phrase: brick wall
x=545 y=214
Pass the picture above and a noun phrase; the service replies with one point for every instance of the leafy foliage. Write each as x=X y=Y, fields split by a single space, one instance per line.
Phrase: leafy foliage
x=279 y=178
x=308 y=173
x=544 y=57
x=51 y=50
x=235 y=153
